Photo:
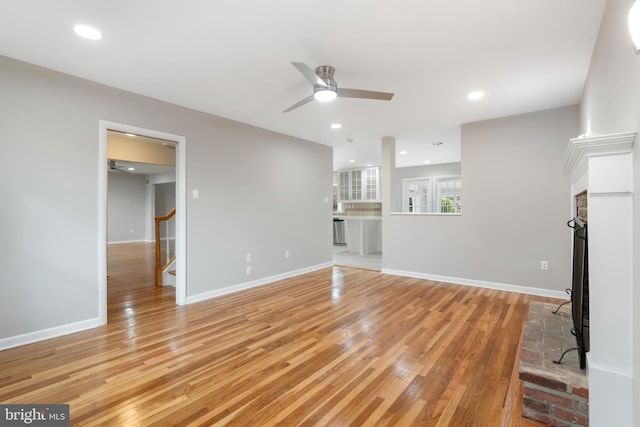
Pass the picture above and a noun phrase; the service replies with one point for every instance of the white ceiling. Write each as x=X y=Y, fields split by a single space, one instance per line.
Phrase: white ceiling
x=232 y=58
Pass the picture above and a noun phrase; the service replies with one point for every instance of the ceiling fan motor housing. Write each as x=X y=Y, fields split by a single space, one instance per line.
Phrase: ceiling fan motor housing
x=329 y=91
x=325 y=72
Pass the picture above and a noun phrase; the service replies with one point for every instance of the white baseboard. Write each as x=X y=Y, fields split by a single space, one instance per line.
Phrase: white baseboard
x=255 y=283
x=480 y=284
x=46 y=334
x=131 y=241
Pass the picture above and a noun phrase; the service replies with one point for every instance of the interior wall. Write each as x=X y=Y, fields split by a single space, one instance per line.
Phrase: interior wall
x=516 y=203
x=611 y=104
x=260 y=192
x=165 y=198
x=126 y=211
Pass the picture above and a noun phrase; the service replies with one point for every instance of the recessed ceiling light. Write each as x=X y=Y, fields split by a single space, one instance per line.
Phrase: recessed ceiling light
x=130 y=134
x=352 y=161
x=426 y=162
x=336 y=125
x=475 y=95
x=87 y=32
x=368 y=165
x=403 y=152
x=131 y=169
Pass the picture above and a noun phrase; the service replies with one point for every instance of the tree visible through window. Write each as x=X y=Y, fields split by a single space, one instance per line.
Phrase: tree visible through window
x=449 y=194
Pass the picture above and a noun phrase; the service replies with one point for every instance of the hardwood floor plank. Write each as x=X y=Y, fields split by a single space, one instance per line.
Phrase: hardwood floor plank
x=339 y=346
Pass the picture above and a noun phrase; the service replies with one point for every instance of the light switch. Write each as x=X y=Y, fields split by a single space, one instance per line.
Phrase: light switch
x=196 y=193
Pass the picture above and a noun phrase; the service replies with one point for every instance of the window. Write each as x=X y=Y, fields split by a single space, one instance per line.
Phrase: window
x=417 y=195
x=438 y=194
x=448 y=194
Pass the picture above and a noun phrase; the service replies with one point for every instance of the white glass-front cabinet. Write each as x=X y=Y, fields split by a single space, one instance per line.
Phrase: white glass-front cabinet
x=343 y=185
x=372 y=184
x=359 y=185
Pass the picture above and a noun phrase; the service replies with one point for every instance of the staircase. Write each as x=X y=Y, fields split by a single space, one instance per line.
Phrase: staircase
x=165 y=271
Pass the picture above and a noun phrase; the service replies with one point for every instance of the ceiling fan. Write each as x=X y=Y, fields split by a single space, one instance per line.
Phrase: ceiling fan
x=116 y=167
x=326 y=89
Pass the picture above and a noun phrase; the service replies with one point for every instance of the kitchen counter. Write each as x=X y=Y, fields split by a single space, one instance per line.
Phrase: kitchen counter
x=363 y=234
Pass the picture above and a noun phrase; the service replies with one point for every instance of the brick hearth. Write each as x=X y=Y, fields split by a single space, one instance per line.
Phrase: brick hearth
x=557 y=395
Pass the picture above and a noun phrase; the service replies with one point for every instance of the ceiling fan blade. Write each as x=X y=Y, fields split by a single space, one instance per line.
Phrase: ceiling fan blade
x=309 y=74
x=367 y=94
x=300 y=103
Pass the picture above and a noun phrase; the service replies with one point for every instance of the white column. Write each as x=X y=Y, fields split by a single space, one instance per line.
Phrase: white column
x=388 y=173
x=387 y=181
x=609 y=170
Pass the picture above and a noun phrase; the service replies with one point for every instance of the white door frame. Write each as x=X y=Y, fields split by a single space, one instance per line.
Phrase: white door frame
x=181 y=204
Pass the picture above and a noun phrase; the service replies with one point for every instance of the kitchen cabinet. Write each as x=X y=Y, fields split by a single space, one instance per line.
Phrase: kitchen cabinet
x=359 y=185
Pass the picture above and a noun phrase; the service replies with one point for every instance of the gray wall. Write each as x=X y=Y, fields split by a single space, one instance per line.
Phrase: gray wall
x=165 y=198
x=126 y=207
x=260 y=192
x=611 y=104
x=516 y=203
x=418 y=172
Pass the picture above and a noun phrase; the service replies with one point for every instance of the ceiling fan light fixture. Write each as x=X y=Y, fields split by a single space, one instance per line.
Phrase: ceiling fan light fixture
x=325 y=94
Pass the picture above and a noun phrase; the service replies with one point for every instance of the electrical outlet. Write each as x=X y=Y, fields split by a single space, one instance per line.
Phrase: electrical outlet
x=248 y=270
x=544 y=265
x=286 y=253
x=249 y=257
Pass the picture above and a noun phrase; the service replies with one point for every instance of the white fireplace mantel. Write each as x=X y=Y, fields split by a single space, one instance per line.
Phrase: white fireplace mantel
x=603 y=165
x=580 y=148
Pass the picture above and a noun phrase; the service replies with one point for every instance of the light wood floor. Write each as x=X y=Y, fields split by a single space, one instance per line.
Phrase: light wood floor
x=336 y=347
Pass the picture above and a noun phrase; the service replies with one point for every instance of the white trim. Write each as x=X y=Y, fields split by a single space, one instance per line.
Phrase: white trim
x=45 y=334
x=575 y=160
x=119 y=242
x=102 y=223
x=528 y=290
x=181 y=194
x=255 y=283
x=181 y=222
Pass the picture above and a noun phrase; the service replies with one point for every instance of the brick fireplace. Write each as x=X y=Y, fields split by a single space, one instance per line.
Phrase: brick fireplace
x=554 y=394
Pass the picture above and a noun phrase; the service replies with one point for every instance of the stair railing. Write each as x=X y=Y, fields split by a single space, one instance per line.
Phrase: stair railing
x=168 y=258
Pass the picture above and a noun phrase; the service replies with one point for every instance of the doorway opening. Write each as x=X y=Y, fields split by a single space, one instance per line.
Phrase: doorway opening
x=180 y=204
